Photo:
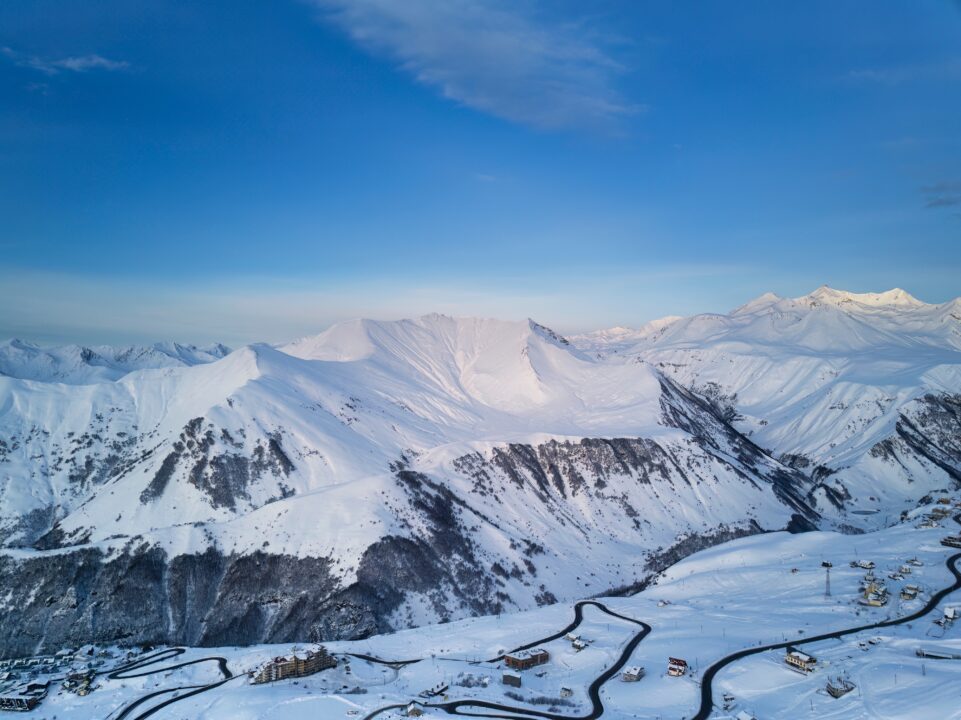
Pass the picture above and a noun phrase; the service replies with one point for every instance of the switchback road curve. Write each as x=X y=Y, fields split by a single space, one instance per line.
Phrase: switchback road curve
x=135 y=669
x=707 y=694
x=594 y=690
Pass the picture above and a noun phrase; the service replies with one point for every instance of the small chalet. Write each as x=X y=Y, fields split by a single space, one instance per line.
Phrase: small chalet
x=875 y=595
x=802 y=661
x=910 y=592
x=951 y=541
x=676 y=667
x=838 y=687
x=566 y=692
x=414 y=710
x=512 y=679
x=526 y=659
x=632 y=674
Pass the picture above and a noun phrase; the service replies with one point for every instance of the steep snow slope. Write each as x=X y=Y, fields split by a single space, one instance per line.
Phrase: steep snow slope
x=861 y=390
x=378 y=475
x=77 y=365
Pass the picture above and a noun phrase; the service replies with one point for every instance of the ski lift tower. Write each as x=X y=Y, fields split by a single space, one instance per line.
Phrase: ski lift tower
x=827 y=578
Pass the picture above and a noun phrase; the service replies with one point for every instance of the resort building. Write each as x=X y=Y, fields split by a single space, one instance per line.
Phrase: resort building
x=526 y=659
x=281 y=668
x=802 y=661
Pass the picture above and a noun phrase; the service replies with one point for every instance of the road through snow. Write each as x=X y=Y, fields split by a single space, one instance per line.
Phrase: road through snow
x=129 y=671
x=461 y=707
x=594 y=691
x=707 y=698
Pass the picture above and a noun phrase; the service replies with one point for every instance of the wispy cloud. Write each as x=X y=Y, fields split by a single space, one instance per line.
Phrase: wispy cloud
x=942 y=194
x=54 y=66
x=489 y=56
x=947 y=69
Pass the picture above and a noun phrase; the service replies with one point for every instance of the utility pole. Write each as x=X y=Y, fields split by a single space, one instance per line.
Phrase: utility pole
x=827 y=582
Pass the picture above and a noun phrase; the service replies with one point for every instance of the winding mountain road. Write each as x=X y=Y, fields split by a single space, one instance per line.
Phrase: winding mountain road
x=129 y=671
x=495 y=710
x=707 y=696
x=707 y=693
x=594 y=690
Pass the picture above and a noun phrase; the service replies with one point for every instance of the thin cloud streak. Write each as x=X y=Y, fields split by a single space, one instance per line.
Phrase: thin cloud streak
x=942 y=194
x=901 y=74
x=490 y=58
x=77 y=64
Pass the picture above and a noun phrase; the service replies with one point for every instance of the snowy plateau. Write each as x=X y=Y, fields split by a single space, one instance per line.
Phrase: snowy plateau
x=443 y=490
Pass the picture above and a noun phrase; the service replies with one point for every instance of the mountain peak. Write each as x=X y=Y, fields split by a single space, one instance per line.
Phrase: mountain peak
x=762 y=301
x=895 y=297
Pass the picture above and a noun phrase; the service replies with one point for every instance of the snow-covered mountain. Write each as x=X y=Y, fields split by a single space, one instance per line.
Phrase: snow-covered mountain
x=379 y=475
x=78 y=365
x=861 y=391
x=387 y=474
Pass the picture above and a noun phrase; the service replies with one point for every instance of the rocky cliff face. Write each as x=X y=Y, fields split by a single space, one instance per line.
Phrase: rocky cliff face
x=143 y=596
x=489 y=532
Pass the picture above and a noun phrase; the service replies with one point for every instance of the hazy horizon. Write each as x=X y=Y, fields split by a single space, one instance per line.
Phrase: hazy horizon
x=299 y=324
x=240 y=170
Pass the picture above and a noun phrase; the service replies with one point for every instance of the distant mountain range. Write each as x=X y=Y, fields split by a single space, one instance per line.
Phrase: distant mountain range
x=860 y=391
x=79 y=365
x=388 y=474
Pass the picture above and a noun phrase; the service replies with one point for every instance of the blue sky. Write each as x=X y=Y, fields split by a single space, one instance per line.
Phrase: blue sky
x=236 y=170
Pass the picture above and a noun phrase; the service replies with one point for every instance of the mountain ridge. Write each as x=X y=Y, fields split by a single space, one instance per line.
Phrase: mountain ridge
x=403 y=472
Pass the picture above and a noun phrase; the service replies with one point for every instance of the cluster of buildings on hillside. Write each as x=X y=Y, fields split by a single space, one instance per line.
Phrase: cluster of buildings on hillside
x=873 y=590
x=25 y=682
x=26 y=697
x=80 y=683
x=944 y=508
x=38 y=664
